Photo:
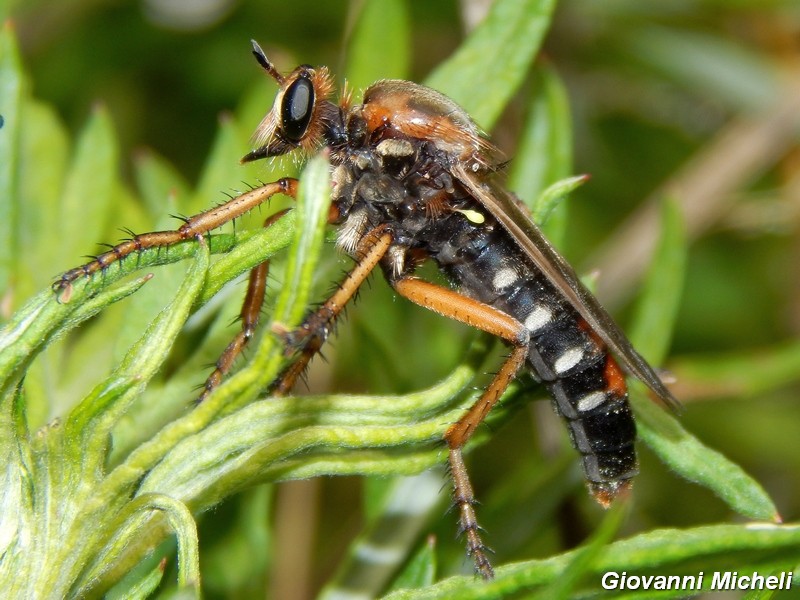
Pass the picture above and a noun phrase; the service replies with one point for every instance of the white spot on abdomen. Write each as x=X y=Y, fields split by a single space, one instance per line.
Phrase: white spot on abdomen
x=590 y=401
x=569 y=359
x=539 y=317
x=504 y=278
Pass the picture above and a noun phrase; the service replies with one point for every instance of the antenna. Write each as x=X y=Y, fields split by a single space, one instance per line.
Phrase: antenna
x=262 y=59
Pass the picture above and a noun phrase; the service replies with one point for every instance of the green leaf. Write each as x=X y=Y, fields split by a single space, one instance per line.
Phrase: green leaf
x=11 y=83
x=243 y=548
x=128 y=528
x=712 y=65
x=305 y=436
x=724 y=548
x=221 y=174
x=160 y=184
x=16 y=501
x=92 y=420
x=44 y=319
x=669 y=440
x=691 y=459
x=284 y=438
x=252 y=248
x=71 y=458
x=550 y=198
x=138 y=586
x=657 y=308
x=238 y=390
x=88 y=198
x=381 y=24
x=496 y=56
x=421 y=569
x=745 y=374
x=43 y=157
x=544 y=153
x=581 y=563
x=312 y=217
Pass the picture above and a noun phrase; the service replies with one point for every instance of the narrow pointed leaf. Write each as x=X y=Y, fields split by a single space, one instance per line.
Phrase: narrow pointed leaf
x=312 y=214
x=381 y=24
x=88 y=198
x=690 y=458
x=11 y=81
x=723 y=548
x=159 y=183
x=564 y=588
x=552 y=197
x=544 y=152
x=128 y=529
x=421 y=569
x=140 y=589
x=140 y=364
x=661 y=431
x=496 y=56
x=657 y=308
x=221 y=174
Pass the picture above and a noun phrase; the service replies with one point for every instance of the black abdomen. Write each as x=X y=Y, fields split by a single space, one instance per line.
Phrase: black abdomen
x=587 y=386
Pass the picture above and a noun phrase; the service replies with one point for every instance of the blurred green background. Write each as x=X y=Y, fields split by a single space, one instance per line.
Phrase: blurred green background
x=698 y=100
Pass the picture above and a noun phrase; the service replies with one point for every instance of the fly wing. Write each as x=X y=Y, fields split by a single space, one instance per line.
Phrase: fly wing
x=504 y=207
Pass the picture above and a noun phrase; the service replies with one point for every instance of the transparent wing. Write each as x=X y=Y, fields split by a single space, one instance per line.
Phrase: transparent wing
x=504 y=207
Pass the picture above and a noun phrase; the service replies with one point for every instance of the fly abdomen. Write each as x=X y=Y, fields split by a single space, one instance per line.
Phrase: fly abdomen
x=587 y=385
x=594 y=404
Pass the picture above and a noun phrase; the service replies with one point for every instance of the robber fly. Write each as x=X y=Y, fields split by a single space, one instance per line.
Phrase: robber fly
x=414 y=179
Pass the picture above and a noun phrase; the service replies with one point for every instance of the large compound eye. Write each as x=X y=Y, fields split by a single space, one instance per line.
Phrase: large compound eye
x=296 y=109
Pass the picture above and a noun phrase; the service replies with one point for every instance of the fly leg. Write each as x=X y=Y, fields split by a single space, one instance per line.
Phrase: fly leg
x=309 y=337
x=249 y=315
x=482 y=316
x=197 y=225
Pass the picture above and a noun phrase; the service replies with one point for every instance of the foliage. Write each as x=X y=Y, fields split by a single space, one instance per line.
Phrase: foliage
x=129 y=460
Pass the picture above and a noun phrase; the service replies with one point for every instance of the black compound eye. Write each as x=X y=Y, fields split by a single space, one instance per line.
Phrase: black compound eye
x=297 y=108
